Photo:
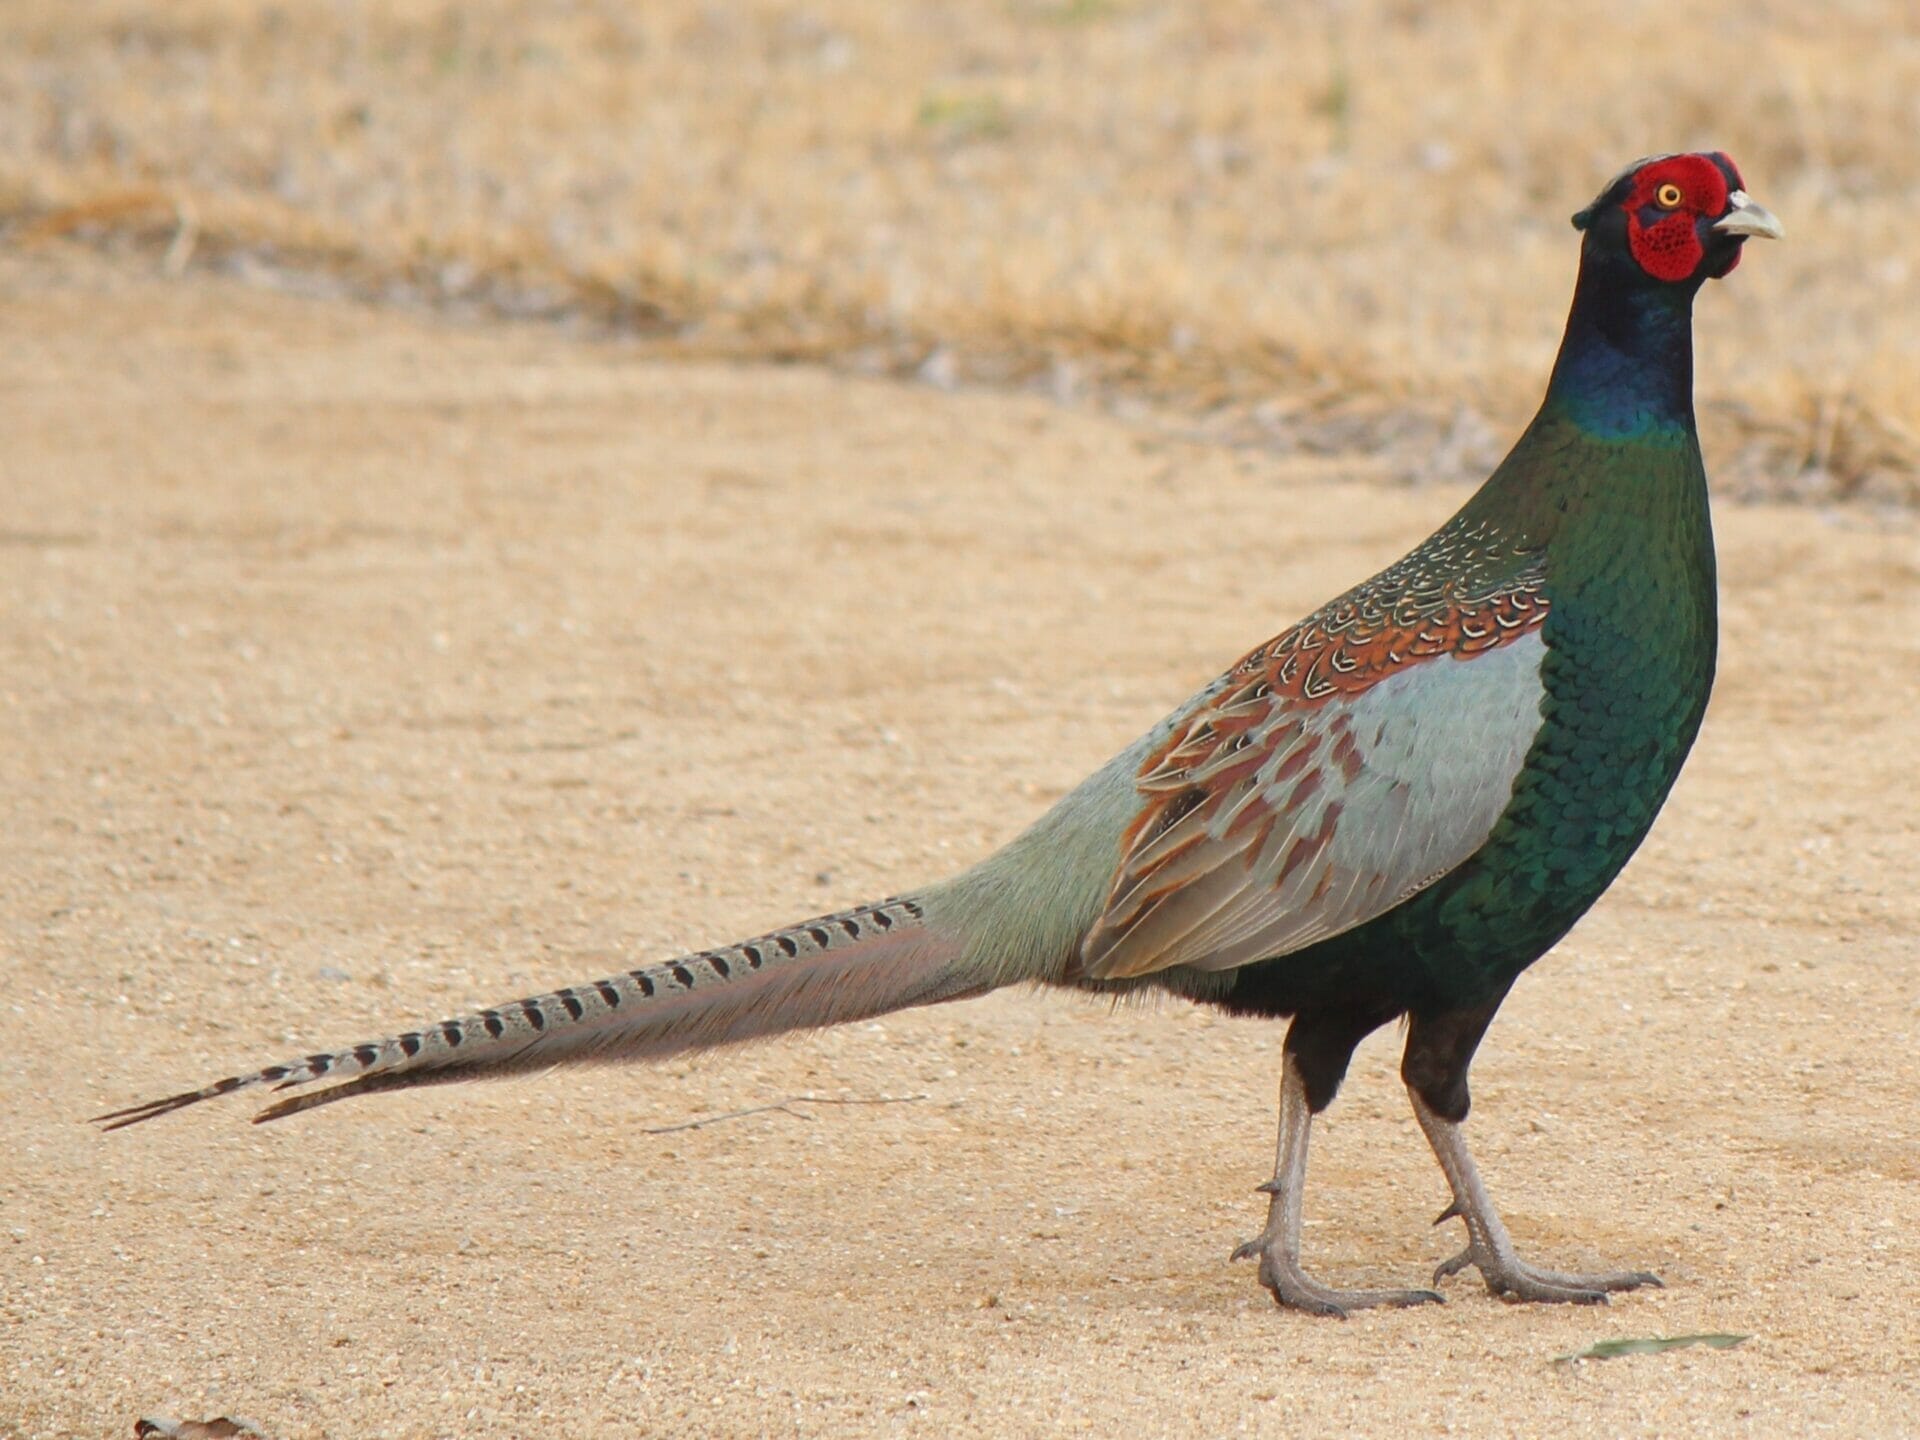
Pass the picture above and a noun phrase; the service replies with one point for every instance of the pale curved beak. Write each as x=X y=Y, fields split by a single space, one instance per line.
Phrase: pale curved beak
x=1747 y=218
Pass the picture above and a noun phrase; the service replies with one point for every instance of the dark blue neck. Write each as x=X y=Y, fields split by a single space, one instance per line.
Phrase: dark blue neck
x=1626 y=364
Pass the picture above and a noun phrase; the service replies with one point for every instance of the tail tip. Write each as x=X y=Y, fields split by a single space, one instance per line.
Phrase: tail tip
x=153 y=1109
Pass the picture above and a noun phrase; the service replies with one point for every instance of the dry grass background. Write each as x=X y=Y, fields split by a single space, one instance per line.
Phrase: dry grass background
x=1307 y=225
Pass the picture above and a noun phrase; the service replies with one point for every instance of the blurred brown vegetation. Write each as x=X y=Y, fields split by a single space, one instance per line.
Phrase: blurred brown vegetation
x=1303 y=225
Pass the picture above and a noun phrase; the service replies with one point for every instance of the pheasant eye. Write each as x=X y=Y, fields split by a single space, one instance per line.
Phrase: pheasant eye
x=1668 y=196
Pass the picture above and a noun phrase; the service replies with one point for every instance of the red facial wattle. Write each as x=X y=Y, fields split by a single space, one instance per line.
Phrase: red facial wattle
x=1666 y=242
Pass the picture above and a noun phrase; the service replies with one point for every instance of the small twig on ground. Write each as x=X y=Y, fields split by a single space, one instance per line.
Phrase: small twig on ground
x=784 y=1107
x=221 y=1427
x=186 y=234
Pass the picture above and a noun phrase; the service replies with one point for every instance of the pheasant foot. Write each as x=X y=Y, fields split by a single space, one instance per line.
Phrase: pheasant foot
x=1292 y=1287
x=1509 y=1276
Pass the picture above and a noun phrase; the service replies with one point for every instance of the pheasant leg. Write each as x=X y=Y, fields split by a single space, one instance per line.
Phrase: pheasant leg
x=1278 y=1248
x=1489 y=1248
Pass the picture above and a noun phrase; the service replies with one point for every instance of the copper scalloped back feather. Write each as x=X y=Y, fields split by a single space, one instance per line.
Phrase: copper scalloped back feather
x=1337 y=769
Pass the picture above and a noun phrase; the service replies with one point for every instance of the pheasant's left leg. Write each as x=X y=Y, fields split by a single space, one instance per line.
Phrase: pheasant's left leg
x=1319 y=1045
x=1278 y=1248
x=1435 y=1069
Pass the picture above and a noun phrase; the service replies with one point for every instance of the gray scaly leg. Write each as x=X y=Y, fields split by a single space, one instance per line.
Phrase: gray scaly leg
x=1278 y=1248
x=1489 y=1247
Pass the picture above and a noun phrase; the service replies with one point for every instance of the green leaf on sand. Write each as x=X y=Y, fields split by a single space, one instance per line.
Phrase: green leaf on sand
x=1649 y=1345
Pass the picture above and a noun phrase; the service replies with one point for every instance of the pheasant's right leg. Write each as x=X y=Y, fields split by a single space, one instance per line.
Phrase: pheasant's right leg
x=1278 y=1248
x=1440 y=1046
x=1489 y=1247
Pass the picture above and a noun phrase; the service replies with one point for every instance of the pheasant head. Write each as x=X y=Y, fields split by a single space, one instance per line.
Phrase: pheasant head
x=1679 y=219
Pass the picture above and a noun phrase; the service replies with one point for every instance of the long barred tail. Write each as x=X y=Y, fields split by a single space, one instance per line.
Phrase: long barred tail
x=846 y=966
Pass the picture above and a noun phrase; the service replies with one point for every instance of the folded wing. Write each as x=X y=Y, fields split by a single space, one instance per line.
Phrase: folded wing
x=1341 y=769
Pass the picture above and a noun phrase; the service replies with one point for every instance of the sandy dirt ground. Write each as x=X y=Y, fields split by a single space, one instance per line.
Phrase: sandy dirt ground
x=358 y=668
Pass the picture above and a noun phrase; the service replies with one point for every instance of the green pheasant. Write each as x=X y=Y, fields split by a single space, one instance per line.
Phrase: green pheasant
x=1388 y=811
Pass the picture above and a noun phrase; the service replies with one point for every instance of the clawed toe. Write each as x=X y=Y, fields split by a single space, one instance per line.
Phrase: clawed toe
x=1622 y=1280
x=1524 y=1288
x=1590 y=1289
